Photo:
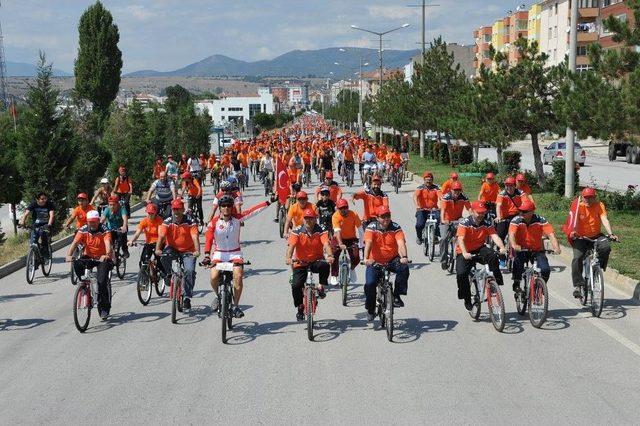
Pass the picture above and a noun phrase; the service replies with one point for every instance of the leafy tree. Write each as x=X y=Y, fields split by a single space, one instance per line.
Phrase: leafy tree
x=177 y=97
x=10 y=181
x=316 y=106
x=156 y=131
x=97 y=68
x=264 y=121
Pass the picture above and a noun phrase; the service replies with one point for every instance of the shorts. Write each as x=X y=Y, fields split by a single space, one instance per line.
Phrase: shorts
x=227 y=256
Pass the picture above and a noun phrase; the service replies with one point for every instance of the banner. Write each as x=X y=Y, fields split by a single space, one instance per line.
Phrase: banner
x=282 y=180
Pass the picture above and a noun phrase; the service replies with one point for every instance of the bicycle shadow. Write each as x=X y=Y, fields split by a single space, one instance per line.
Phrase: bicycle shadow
x=558 y=268
x=10 y=297
x=265 y=271
x=408 y=330
x=52 y=278
x=256 y=242
x=9 y=324
x=122 y=318
x=617 y=308
x=251 y=330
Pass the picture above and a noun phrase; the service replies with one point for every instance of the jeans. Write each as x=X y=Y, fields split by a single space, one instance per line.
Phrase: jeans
x=102 y=278
x=421 y=220
x=522 y=257
x=373 y=274
x=354 y=254
x=39 y=234
x=169 y=254
x=463 y=268
x=319 y=267
x=580 y=249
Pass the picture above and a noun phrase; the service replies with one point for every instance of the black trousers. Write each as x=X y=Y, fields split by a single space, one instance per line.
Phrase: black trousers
x=463 y=268
x=319 y=267
x=580 y=249
x=502 y=227
x=196 y=203
x=102 y=277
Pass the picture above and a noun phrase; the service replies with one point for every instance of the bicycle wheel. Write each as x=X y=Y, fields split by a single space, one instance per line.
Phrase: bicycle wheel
x=47 y=262
x=121 y=264
x=432 y=242
x=396 y=184
x=174 y=300
x=425 y=240
x=224 y=313
x=281 y=220
x=389 y=313
x=496 y=305
x=144 y=287
x=522 y=299
x=74 y=277
x=82 y=305
x=161 y=286
x=476 y=303
x=538 y=302
x=309 y=312
x=452 y=257
x=230 y=316
x=31 y=265
x=597 y=292
x=344 y=282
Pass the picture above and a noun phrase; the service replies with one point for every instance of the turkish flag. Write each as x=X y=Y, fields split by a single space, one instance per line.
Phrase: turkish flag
x=282 y=179
x=572 y=220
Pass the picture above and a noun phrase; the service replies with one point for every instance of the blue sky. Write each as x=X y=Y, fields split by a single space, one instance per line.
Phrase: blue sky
x=168 y=34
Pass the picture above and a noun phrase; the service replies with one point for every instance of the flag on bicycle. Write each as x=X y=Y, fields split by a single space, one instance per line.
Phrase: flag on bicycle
x=572 y=220
x=282 y=181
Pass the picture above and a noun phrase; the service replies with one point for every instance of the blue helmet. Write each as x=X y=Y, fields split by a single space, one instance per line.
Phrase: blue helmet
x=232 y=180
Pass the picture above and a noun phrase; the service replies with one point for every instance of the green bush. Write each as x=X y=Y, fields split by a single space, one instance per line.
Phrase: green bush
x=443 y=153
x=484 y=166
x=627 y=201
x=532 y=179
x=510 y=161
x=555 y=182
x=461 y=154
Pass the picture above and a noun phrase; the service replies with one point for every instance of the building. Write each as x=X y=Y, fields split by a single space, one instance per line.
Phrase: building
x=299 y=95
x=238 y=110
x=533 y=25
x=483 y=37
x=464 y=56
x=372 y=79
x=316 y=96
x=517 y=28
x=616 y=8
x=337 y=87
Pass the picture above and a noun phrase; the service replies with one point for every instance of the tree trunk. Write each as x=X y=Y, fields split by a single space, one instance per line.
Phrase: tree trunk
x=499 y=152
x=537 y=160
x=421 y=133
x=476 y=152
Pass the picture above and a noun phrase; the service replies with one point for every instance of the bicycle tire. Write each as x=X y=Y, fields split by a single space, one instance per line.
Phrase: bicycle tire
x=496 y=305
x=344 y=282
x=452 y=257
x=121 y=264
x=389 y=324
x=523 y=300
x=309 y=312
x=396 y=185
x=80 y=298
x=476 y=303
x=144 y=287
x=74 y=277
x=425 y=241
x=47 y=263
x=230 y=297
x=174 y=301
x=281 y=221
x=30 y=268
x=224 y=306
x=161 y=286
x=597 y=292
x=540 y=298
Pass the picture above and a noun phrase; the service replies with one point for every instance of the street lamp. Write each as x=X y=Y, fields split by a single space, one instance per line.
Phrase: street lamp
x=380 y=34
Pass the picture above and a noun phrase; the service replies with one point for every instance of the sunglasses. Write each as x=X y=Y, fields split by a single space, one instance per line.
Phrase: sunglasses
x=385 y=216
x=226 y=206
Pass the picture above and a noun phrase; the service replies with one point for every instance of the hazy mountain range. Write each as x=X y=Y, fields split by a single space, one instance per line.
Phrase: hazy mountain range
x=20 y=69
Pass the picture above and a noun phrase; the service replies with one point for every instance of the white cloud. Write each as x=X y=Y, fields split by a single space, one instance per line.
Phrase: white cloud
x=391 y=12
x=141 y=13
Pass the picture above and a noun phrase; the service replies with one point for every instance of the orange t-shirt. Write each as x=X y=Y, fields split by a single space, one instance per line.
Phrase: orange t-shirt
x=489 y=192
x=124 y=185
x=243 y=159
x=526 y=189
x=453 y=208
x=473 y=235
x=212 y=161
x=179 y=235
x=348 y=154
x=150 y=228
x=296 y=213
x=371 y=202
x=590 y=219
x=81 y=215
x=93 y=242
x=335 y=192
x=384 y=242
x=308 y=245
x=395 y=159
x=306 y=158
x=294 y=175
x=157 y=168
x=347 y=225
x=509 y=204
x=446 y=186
x=193 y=188
x=529 y=236
x=427 y=197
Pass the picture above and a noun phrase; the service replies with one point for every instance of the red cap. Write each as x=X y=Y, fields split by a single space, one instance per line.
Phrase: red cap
x=456 y=185
x=381 y=210
x=478 y=207
x=82 y=195
x=114 y=199
x=427 y=174
x=310 y=213
x=328 y=175
x=186 y=175
x=510 y=181
x=301 y=194
x=151 y=208
x=527 y=206
x=588 y=192
x=453 y=176
x=177 y=204
x=521 y=178
x=342 y=203
x=490 y=176
x=376 y=178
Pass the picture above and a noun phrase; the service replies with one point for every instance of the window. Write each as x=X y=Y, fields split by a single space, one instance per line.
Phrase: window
x=222 y=118
x=583 y=68
x=253 y=109
x=582 y=50
x=555 y=31
x=555 y=9
x=235 y=108
x=522 y=24
x=222 y=109
x=550 y=32
x=487 y=38
x=587 y=3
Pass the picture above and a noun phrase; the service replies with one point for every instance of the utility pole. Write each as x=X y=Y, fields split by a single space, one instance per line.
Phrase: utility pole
x=4 y=98
x=569 y=165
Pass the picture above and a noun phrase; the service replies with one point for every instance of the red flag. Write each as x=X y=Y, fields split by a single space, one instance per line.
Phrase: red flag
x=572 y=220
x=282 y=179
x=13 y=111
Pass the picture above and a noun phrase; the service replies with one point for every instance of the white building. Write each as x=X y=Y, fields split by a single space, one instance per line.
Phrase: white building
x=353 y=85
x=236 y=109
x=299 y=95
x=554 y=19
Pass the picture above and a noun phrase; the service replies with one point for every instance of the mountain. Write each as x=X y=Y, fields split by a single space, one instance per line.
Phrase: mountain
x=297 y=63
x=20 y=69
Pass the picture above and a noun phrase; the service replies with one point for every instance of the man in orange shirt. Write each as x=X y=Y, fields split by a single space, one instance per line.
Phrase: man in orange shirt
x=123 y=187
x=193 y=188
x=335 y=192
x=521 y=184
x=384 y=248
x=489 y=192
x=149 y=225
x=295 y=214
x=472 y=234
x=592 y=216
x=372 y=199
x=80 y=212
x=507 y=205
x=178 y=237
x=310 y=244
x=346 y=226
x=451 y=207
x=446 y=186
x=158 y=168
x=525 y=233
x=425 y=199
x=98 y=253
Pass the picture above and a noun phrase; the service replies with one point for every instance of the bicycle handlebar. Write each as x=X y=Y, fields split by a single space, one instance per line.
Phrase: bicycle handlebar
x=213 y=264
x=381 y=265
x=608 y=237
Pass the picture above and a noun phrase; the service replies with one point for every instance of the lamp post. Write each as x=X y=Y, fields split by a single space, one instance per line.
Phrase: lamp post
x=569 y=165
x=379 y=34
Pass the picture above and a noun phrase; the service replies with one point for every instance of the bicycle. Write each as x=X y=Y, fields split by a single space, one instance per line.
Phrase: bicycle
x=485 y=288
x=309 y=301
x=350 y=172
x=147 y=279
x=85 y=298
x=395 y=180
x=429 y=236
x=215 y=181
x=306 y=175
x=195 y=213
x=268 y=184
x=592 y=291
x=534 y=294
x=282 y=215
x=120 y=259
x=36 y=257
x=175 y=288
x=450 y=248
x=77 y=253
x=344 y=273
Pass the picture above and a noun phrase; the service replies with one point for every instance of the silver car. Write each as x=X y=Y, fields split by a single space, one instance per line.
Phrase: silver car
x=558 y=150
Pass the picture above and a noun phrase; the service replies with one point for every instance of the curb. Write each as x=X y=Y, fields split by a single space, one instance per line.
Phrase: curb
x=19 y=263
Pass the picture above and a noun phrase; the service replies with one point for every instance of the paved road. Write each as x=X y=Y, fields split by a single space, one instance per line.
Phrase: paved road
x=443 y=367
x=598 y=169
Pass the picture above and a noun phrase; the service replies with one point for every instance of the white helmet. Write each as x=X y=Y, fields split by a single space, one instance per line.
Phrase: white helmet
x=104 y=180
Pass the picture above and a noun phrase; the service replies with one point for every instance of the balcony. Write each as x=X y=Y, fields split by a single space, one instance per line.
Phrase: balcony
x=582 y=60
x=588 y=12
x=586 y=37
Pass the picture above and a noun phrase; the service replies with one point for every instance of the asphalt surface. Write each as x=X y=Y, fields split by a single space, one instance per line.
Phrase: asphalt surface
x=442 y=367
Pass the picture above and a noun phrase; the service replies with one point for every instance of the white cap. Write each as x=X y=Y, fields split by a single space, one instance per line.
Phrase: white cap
x=104 y=180
x=93 y=215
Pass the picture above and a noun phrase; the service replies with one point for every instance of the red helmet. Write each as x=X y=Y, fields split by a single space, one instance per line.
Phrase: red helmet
x=328 y=175
x=510 y=181
x=82 y=195
x=527 y=206
x=521 y=178
x=453 y=176
x=427 y=175
x=114 y=199
x=478 y=207
x=151 y=208
x=456 y=185
x=186 y=175
x=310 y=213
x=382 y=210
x=490 y=176
x=302 y=194
x=589 y=192
x=342 y=203
x=177 y=204
x=376 y=178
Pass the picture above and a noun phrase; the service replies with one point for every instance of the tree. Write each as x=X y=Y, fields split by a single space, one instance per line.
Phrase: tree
x=46 y=143
x=177 y=97
x=156 y=131
x=97 y=68
x=10 y=181
x=316 y=106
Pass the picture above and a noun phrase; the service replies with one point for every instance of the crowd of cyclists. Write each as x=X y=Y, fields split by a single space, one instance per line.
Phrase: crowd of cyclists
x=321 y=221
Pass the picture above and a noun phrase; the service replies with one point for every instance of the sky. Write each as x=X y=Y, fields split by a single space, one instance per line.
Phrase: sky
x=168 y=34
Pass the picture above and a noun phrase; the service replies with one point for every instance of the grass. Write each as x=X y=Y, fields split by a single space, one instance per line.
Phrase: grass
x=14 y=247
x=624 y=256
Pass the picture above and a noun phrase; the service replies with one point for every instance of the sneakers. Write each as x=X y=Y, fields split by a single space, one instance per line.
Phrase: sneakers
x=370 y=317
x=353 y=276
x=104 y=314
x=215 y=304
x=419 y=241
x=467 y=304
x=397 y=302
x=300 y=314
x=516 y=287
x=333 y=280
x=576 y=292
x=237 y=312
x=443 y=264
x=321 y=293
x=186 y=304
x=125 y=254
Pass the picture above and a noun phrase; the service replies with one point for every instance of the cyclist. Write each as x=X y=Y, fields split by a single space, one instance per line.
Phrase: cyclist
x=446 y=186
x=526 y=232
x=157 y=168
x=149 y=225
x=394 y=162
x=310 y=245
x=98 y=252
x=294 y=174
x=229 y=186
x=193 y=188
x=80 y=212
x=116 y=219
x=325 y=208
x=123 y=186
x=521 y=184
x=507 y=206
x=223 y=234
x=346 y=227
x=425 y=199
x=372 y=198
x=472 y=234
x=489 y=192
x=384 y=243
x=172 y=168
x=334 y=188
x=164 y=190
x=43 y=211
x=194 y=167
x=267 y=166
x=592 y=216
x=295 y=214
x=368 y=162
x=452 y=205
x=101 y=196
x=178 y=238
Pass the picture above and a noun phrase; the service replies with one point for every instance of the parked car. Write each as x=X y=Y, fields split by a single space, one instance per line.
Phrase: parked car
x=557 y=151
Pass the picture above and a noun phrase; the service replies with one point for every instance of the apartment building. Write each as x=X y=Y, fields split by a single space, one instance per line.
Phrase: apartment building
x=618 y=9
x=483 y=38
x=534 y=24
